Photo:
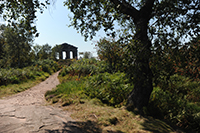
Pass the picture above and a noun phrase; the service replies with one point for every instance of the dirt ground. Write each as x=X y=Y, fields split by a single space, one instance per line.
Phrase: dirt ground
x=26 y=112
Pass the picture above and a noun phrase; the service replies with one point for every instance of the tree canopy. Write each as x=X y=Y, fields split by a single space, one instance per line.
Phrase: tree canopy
x=174 y=18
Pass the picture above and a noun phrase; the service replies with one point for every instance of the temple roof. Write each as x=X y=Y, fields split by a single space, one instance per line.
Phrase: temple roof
x=68 y=46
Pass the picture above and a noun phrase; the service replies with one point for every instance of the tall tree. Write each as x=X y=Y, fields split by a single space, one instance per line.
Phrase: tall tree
x=36 y=50
x=55 y=52
x=17 y=46
x=2 y=41
x=45 y=51
x=145 y=21
x=111 y=52
x=18 y=13
x=87 y=55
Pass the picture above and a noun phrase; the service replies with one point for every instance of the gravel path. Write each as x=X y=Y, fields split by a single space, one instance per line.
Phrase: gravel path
x=26 y=112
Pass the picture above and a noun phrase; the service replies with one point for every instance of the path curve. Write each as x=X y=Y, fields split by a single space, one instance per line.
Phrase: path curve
x=26 y=112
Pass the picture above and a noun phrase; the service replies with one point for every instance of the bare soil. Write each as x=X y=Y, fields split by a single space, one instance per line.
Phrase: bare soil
x=27 y=112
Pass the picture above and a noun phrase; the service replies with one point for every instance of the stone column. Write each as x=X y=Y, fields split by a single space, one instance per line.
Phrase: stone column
x=73 y=54
x=61 y=55
x=76 y=52
x=68 y=54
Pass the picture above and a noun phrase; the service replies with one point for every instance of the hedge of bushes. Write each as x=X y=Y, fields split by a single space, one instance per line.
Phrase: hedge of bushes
x=85 y=67
x=16 y=75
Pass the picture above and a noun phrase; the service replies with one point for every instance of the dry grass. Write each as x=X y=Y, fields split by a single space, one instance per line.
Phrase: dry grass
x=94 y=117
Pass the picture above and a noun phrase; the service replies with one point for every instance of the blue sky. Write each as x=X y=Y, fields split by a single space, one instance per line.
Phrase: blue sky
x=53 y=29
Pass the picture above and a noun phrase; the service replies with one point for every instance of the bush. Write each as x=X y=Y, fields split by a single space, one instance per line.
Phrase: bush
x=15 y=76
x=81 y=67
x=111 y=89
x=48 y=66
x=182 y=85
x=173 y=103
x=85 y=67
x=14 y=79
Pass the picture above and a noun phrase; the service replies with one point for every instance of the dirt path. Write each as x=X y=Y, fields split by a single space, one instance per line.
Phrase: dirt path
x=26 y=112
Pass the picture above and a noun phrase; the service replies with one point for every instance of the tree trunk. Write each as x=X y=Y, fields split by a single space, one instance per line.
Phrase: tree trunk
x=139 y=97
x=18 y=55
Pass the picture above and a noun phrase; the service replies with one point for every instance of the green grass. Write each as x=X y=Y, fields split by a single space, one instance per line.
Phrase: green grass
x=65 y=92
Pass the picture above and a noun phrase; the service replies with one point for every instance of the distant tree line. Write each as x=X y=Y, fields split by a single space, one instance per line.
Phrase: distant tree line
x=17 y=49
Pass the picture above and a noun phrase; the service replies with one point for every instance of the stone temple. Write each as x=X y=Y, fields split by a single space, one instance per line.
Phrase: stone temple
x=65 y=47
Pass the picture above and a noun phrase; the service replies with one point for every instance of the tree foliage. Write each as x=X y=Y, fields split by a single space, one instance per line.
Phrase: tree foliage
x=16 y=46
x=166 y=18
x=182 y=61
x=55 y=52
x=36 y=49
x=42 y=52
x=22 y=12
x=111 y=52
x=2 y=42
x=87 y=55
x=45 y=51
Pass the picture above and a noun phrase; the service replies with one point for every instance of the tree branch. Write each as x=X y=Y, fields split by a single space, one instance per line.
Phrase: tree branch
x=125 y=8
x=147 y=8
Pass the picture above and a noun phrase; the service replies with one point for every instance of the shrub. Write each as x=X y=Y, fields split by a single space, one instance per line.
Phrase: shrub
x=46 y=68
x=47 y=65
x=15 y=76
x=14 y=79
x=173 y=102
x=111 y=89
x=85 y=67
x=81 y=67
x=181 y=85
